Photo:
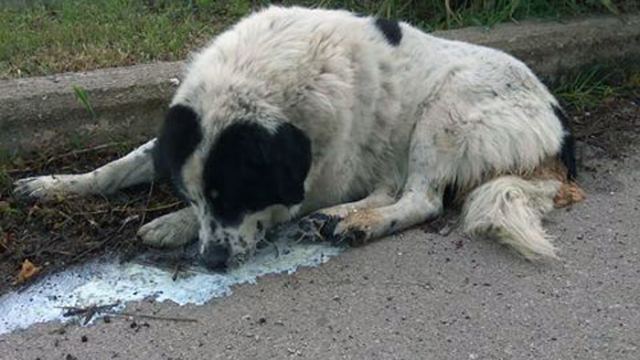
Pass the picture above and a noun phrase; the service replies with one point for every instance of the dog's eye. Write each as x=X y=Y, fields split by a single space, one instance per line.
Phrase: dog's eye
x=213 y=194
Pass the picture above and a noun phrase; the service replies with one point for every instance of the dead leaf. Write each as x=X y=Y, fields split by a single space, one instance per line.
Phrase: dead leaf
x=5 y=241
x=28 y=271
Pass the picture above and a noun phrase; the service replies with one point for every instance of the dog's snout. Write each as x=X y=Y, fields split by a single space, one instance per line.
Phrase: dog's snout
x=214 y=257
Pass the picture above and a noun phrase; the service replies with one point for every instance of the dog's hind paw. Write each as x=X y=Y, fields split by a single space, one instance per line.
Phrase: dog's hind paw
x=354 y=237
x=45 y=187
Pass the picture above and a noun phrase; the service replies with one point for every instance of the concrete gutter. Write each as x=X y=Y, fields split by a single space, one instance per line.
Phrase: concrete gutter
x=130 y=101
x=553 y=49
x=127 y=101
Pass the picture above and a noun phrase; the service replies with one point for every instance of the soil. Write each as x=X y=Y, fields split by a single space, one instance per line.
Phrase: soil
x=58 y=234
x=613 y=126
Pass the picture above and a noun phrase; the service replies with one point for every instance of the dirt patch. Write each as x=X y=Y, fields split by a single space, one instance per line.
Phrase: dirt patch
x=55 y=235
x=614 y=126
x=64 y=232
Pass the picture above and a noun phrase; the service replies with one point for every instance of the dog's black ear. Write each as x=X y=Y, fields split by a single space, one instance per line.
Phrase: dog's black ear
x=291 y=155
x=179 y=137
x=251 y=168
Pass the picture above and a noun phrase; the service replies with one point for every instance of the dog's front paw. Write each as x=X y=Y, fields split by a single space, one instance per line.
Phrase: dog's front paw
x=44 y=187
x=317 y=227
x=167 y=231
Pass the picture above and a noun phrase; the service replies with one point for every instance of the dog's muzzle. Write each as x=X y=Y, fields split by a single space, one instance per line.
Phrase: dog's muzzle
x=214 y=257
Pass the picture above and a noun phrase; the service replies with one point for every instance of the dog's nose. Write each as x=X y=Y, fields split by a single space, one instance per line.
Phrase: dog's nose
x=214 y=257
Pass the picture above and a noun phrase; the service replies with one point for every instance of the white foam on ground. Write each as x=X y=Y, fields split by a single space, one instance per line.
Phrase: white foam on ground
x=105 y=281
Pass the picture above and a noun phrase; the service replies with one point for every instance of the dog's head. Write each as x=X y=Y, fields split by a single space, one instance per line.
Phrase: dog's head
x=240 y=178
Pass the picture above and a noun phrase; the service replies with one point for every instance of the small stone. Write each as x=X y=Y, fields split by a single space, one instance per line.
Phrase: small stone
x=445 y=231
x=84 y=338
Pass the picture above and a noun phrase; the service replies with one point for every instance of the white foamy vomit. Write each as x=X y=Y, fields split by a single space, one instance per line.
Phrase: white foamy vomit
x=105 y=281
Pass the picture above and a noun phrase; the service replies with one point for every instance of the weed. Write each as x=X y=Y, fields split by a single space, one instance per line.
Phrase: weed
x=5 y=179
x=590 y=88
x=83 y=98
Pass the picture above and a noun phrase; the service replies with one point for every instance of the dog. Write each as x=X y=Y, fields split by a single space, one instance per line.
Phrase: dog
x=353 y=127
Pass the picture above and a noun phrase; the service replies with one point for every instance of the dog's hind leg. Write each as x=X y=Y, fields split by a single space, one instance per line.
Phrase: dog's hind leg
x=134 y=168
x=421 y=199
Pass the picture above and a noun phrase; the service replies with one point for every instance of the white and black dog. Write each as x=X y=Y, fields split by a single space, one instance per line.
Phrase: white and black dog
x=354 y=125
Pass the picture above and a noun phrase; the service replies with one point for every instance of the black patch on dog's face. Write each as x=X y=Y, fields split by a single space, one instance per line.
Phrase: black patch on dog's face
x=391 y=30
x=179 y=137
x=568 y=150
x=250 y=168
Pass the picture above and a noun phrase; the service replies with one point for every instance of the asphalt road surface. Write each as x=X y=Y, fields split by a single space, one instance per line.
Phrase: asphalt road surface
x=418 y=295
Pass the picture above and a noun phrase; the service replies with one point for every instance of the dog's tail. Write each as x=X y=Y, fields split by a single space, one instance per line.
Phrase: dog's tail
x=510 y=209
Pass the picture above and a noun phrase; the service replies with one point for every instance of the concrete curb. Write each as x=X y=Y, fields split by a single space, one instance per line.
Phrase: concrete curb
x=127 y=101
x=553 y=49
x=130 y=101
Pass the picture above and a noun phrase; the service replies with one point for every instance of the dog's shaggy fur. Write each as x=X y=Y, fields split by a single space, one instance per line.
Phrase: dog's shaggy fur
x=355 y=126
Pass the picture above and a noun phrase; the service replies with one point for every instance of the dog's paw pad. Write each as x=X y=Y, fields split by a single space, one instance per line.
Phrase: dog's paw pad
x=354 y=237
x=317 y=227
x=39 y=187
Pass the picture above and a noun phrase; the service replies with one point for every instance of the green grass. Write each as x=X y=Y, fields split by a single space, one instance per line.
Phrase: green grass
x=587 y=89
x=73 y=35
x=590 y=88
x=40 y=37
x=83 y=98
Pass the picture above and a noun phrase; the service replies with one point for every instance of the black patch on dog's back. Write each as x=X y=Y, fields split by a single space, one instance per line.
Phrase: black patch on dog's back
x=179 y=137
x=568 y=150
x=390 y=29
x=250 y=169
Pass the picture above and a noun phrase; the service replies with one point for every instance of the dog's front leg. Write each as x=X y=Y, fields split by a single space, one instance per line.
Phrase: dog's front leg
x=171 y=230
x=134 y=168
x=421 y=200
